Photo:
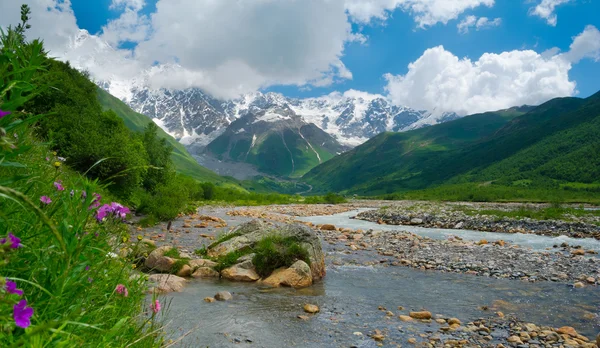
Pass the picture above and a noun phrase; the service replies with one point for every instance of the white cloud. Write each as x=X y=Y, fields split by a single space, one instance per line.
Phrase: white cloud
x=51 y=20
x=130 y=26
x=135 y=5
x=585 y=45
x=425 y=12
x=441 y=81
x=477 y=23
x=545 y=9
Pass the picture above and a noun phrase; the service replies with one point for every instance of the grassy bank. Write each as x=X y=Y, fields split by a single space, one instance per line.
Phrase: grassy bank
x=62 y=283
x=499 y=193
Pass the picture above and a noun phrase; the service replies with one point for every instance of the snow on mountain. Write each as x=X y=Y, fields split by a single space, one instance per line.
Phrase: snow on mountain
x=196 y=118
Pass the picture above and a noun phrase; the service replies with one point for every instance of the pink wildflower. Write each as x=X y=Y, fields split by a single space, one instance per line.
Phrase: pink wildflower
x=155 y=306
x=45 y=200
x=121 y=289
x=59 y=186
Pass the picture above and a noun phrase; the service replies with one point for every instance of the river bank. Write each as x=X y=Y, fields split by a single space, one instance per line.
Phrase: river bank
x=373 y=272
x=486 y=217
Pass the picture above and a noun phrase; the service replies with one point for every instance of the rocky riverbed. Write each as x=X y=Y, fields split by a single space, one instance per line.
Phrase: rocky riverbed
x=565 y=267
x=454 y=216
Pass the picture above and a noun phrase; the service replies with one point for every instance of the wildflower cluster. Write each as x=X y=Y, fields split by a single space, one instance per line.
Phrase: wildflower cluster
x=10 y=295
x=114 y=209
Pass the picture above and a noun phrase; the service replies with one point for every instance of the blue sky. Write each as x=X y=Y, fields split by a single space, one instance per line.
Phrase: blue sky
x=463 y=56
x=391 y=46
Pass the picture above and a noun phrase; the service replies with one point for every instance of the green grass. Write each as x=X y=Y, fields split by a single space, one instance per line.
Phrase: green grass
x=230 y=259
x=173 y=253
x=224 y=238
x=472 y=192
x=275 y=252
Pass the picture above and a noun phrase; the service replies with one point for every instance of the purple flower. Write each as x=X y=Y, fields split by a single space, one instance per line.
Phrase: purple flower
x=22 y=314
x=11 y=288
x=45 y=200
x=59 y=186
x=90 y=280
x=47 y=159
x=4 y=113
x=116 y=209
x=83 y=194
x=87 y=268
x=15 y=242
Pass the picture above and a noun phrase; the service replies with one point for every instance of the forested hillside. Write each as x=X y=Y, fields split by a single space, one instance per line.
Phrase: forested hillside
x=554 y=145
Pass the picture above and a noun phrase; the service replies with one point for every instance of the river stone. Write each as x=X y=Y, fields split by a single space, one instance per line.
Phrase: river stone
x=243 y=272
x=328 y=227
x=567 y=330
x=164 y=283
x=185 y=271
x=416 y=221
x=196 y=263
x=598 y=340
x=420 y=315
x=297 y=275
x=205 y=272
x=252 y=232
x=311 y=308
x=223 y=296
x=158 y=262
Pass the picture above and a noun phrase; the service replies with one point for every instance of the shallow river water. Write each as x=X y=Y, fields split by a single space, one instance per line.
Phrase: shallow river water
x=533 y=241
x=349 y=297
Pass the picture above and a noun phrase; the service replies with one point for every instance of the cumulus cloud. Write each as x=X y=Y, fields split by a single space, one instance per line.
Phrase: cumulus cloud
x=545 y=10
x=135 y=5
x=585 y=45
x=477 y=23
x=441 y=81
x=52 y=20
x=130 y=26
x=425 y=12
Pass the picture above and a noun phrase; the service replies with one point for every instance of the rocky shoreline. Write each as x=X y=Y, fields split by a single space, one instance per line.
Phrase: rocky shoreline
x=574 y=266
x=448 y=218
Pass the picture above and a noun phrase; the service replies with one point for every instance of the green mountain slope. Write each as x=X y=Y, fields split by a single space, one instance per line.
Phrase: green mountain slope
x=184 y=162
x=548 y=142
x=277 y=141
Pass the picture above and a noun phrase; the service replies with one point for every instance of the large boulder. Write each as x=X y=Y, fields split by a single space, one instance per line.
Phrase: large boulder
x=297 y=275
x=157 y=261
x=249 y=234
x=242 y=272
x=164 y=283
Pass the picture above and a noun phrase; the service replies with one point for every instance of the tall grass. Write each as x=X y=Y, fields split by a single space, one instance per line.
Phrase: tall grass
x=62 y=282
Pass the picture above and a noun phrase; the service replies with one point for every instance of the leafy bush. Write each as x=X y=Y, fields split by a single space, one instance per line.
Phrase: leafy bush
x=61 y=283
x=274 y=252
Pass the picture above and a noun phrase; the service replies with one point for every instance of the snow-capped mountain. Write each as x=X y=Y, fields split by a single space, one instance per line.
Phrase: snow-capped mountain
x=195 y=118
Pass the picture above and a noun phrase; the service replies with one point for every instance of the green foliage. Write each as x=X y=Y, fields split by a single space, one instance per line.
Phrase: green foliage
x=230 y=259
x=523 y=156
x=159 y=152
x=63 y=262
x=202 y=252
x=183 y=162
x=173 y=252
x=275 y=252
x=208 y=190
x=178 y=265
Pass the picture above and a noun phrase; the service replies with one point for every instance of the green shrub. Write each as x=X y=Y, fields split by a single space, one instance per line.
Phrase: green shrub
x=274 y=252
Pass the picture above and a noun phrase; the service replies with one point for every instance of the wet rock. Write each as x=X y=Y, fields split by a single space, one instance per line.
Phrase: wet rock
x=243 y=272
x=297 y=275
x=223 y=296
x=567 y=330
x=310 y=308
x=405 y=318
x=303 y=317
x=156 y=261
x=514 y=339
x=416 y=221
x=578 y=252
x=578 y=285
x=420 y=315
x=328 y=227
x=209 y=299
x=185 y=271
x=248 y=234
x=164 y=283
x=196 y=263
x=453 y=321
x=205 y=272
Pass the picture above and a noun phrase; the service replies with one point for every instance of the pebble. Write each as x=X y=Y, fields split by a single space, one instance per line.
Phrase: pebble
x=310 y=308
